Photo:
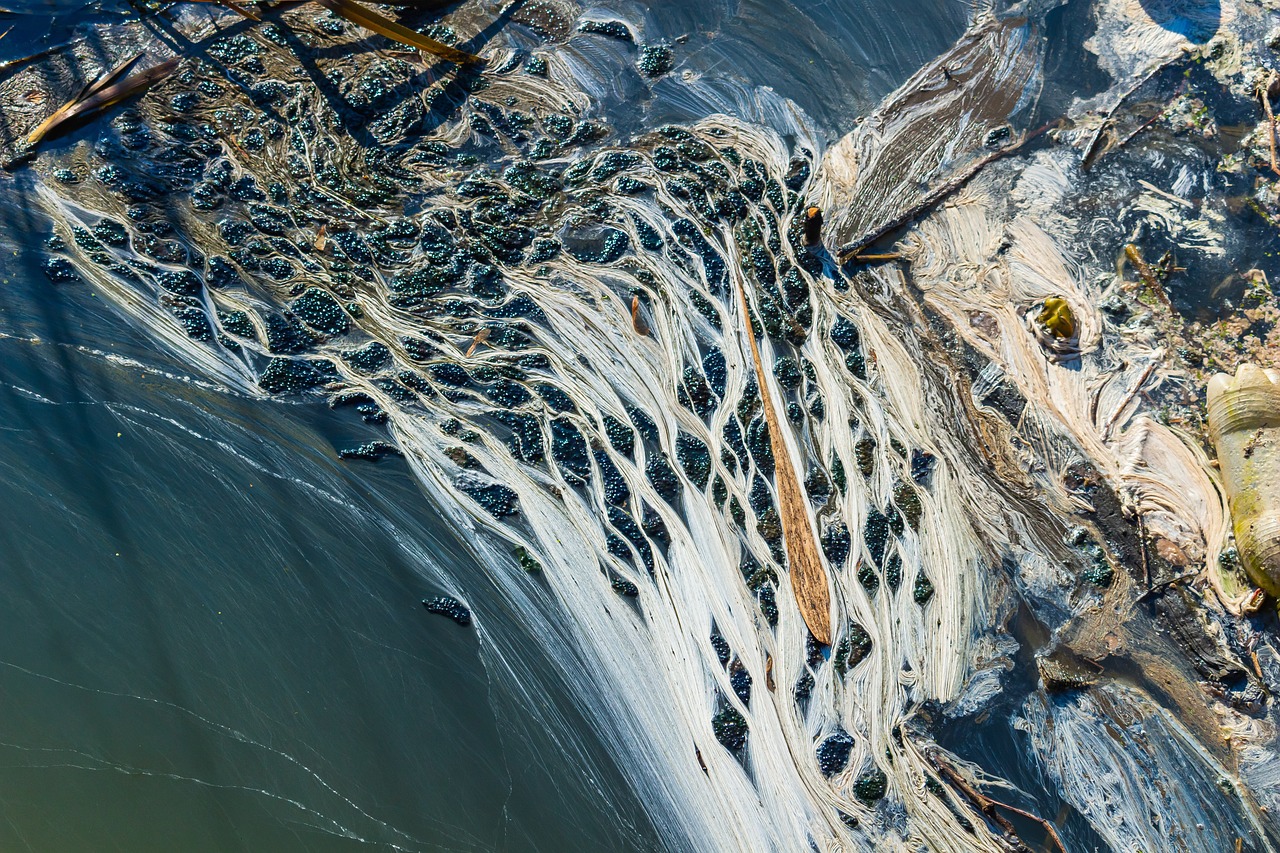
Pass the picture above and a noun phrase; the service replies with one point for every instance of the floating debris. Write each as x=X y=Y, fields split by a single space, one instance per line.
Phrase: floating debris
x=108 y=90
x=370 y=20
x=445 y=605
x=637 y=322
x=1244 y=422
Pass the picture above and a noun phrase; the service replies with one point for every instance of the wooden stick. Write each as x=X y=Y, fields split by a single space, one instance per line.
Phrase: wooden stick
x=1142 y=541
x=1163 y=585
x=1146 y=124
x=370 y=20
x=989 y=807
x=40 y=54
x=1146 y=273
x=1091 y=153
x=1124 y=404
x=935 y=197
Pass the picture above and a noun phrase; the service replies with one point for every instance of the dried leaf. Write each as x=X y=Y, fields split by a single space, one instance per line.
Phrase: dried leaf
x=637 y=322
x=804 y=558
x=103 y=81
x=100 y=98
x=481 y=337
x=322 y=239
x=107 y=79
x=370 y=20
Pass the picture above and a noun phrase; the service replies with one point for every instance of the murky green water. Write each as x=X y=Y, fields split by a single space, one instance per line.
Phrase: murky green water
x=210 y=635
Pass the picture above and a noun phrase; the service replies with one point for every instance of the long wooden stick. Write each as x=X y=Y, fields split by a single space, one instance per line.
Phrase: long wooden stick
x=808 y=577
x=1146 y=273
x=1091 y=153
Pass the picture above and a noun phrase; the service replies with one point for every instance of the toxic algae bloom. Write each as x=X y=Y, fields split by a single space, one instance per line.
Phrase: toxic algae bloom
x=793 y=506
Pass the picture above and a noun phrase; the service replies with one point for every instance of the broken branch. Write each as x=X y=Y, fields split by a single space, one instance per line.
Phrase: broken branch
x=853 y=250
x=990 y=807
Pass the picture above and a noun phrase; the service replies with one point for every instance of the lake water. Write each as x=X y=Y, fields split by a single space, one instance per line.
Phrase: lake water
x=211 y=629
x=210 y=625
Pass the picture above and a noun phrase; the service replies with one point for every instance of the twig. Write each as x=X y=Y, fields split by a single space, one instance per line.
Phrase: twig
x=1142 y=542
x=481 y=337
x=1146 y=273
x=40 y=54
x=1128 y=398
x=370 y=20
x=989 y=807
x=1264 y=92
x=234 y=7
x=239 y=10
x=1163 y=585
x=1146 y=124
x=102 y=94
x=852 y=249
x=1091 y=153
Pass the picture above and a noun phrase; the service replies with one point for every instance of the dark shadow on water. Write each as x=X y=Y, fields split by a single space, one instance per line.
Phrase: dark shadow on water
x=1195 y=20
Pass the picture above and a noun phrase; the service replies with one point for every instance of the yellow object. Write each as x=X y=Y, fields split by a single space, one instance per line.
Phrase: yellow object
x=1056 y=316
x=1244 y=422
